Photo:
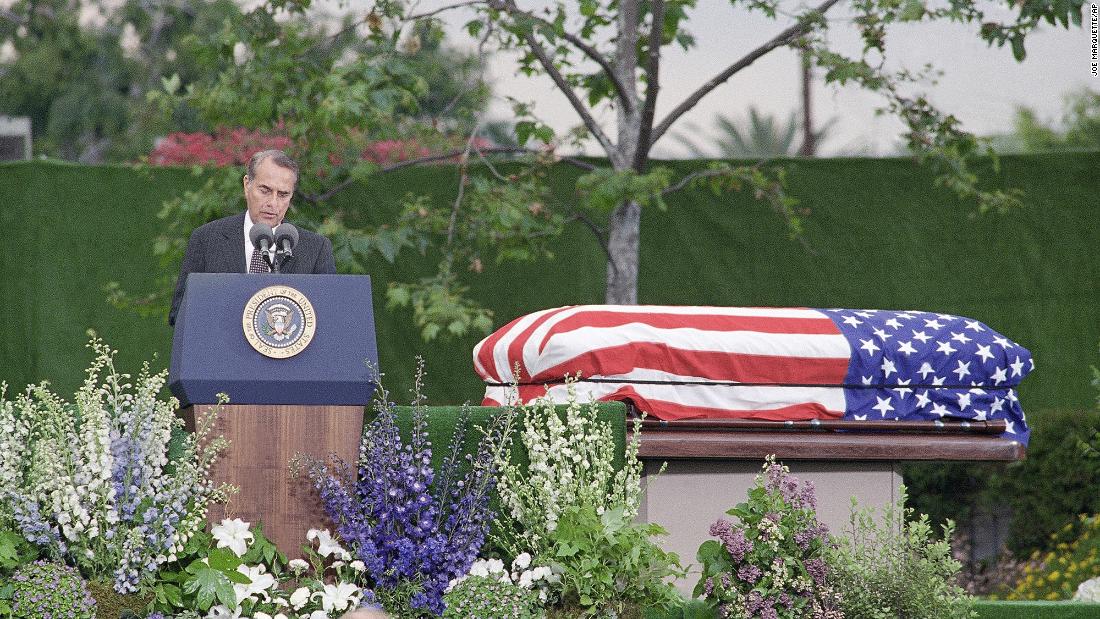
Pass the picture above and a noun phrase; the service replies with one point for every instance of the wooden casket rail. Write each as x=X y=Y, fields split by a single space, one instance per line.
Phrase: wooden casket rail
x=745 y=439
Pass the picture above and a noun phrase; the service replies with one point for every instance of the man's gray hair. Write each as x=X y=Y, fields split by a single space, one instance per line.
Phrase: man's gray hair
x=277 y=157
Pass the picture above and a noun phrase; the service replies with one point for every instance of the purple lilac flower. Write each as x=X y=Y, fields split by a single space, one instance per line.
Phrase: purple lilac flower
x=733 y=539
x=817 y=570
x=749 y=573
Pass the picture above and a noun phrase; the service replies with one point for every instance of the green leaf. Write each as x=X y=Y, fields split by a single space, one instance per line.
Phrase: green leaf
x=1018 y=48
x=209 y=585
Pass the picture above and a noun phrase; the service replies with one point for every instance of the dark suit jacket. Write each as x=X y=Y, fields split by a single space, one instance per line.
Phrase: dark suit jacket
x=218 y=247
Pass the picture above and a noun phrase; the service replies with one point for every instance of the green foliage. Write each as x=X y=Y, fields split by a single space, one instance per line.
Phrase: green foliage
x=1073 y=558
x=763 y=136
x=44 y=589
x=84 y=84
x=484 y=597
x=608 y=561
x=604 y=189
x=888 y=564
x=1080 y=122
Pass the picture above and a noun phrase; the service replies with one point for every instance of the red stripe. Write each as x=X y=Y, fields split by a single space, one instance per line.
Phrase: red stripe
x=515 y=349
x=485 y=353
x=662 y=409
x=707 y=322
x=703 y=364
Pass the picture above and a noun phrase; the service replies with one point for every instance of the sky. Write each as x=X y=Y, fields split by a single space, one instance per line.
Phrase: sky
x=981 y=85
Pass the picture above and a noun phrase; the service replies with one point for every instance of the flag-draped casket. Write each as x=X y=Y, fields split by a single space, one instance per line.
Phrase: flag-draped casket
x=776 y=364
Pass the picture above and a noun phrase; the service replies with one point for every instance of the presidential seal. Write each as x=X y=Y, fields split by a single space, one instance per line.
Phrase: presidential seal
x=279 y=322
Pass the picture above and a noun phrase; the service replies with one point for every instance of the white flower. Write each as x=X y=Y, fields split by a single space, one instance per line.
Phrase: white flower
x=522 y=561
x=479 y=568
x=338 y=564
x=338 y=597
x=358 y=566
x=318 y=614
x=298 y=565
x=129 y=41
x=1088 y=591
x=261 y=582
x=221 y=612
x=8 y=53
x=260 y=615
x=299 y=598
x=241 y=53
x=280 y=616
x=232 y=534
x=496 y=566
x=326 y=545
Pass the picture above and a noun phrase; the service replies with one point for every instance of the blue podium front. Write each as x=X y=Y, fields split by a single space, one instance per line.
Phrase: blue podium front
x=227 y=340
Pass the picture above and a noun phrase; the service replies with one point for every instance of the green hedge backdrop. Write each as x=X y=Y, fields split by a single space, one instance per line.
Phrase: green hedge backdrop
x=879 y=235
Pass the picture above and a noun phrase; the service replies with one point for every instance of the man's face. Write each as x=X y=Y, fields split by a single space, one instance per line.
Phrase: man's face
x=268 y=194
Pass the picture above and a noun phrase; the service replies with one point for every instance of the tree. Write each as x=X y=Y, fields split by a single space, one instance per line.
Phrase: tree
x=761 y=137
x=602 y=57
x=1080 y=119
x=81 y=71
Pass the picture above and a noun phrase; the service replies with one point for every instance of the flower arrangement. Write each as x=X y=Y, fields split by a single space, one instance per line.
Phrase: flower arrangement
x=575 y=513
x=1074 y=558
x=772 y=563
x=89 y=482
x=414 y=529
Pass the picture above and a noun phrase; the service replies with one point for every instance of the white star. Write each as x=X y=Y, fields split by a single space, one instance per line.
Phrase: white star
x=962 y=370
x=867 y=379
x=1010 y=427
x=865 y=313
x=922 y=336
x=923 y=399
x=1032 y=364
x=907 y=348
x=960 y=338
x=939 y=409
x=869 y=346
x=946 y=316
x=979 y=415
x=904 y=392
x=933 y=324
x=983 y=352
x=882 y=335
x=1018 y=367
x=925 y=370
x=998 y=405
x=893 y=322
x=883 y=405
x=945 y=348
x=937 y=381
x=1000 y=375
x=888 y=368
x=964 y=401
x=1011 y=395
x=1002 y=342
x=852 y=320
x=860 y=417
x=975 y=325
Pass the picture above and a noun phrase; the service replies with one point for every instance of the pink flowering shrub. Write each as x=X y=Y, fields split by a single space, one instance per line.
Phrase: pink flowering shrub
x=771 y=563
x=224 y=148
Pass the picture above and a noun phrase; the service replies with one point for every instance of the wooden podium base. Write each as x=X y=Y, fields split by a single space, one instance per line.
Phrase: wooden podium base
x=262 y=441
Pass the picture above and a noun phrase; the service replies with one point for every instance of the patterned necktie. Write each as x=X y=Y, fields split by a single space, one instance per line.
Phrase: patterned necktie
x=257 y=265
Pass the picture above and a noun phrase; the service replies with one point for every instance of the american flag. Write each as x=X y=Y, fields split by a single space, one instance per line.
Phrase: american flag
x=775 y=364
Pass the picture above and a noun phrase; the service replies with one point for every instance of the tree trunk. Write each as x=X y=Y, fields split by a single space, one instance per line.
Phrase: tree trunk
x=809 y=140
x=622 y=247
x=624 y=225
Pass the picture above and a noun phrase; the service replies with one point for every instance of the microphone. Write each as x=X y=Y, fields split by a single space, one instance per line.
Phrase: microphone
x=263 y=240
x=286 y=237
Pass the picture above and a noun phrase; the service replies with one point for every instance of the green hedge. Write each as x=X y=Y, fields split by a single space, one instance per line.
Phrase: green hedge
x=1036 y=610
x=878 y=234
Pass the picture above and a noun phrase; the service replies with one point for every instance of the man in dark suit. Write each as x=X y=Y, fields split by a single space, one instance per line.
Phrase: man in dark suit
x=222 y=246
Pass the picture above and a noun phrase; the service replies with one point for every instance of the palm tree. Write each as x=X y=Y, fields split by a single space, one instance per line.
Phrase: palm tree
x=763 y=136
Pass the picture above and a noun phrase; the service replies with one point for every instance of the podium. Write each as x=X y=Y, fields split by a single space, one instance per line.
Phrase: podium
x=294 y=355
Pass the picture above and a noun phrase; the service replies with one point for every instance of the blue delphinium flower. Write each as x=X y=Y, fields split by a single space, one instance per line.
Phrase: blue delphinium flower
x=407 y=523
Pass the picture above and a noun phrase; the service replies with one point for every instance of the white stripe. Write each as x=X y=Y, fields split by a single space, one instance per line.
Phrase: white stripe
x=500 y=351
x=717 y=396
x=565 y=346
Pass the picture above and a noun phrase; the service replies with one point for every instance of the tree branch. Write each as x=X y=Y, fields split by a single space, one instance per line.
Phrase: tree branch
x=567 y=90
x=588 y=50
x=493 y=150
x=783 y=38
x=683 y=182
x=598 y=233
x=652 y=73
x=449 y=7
